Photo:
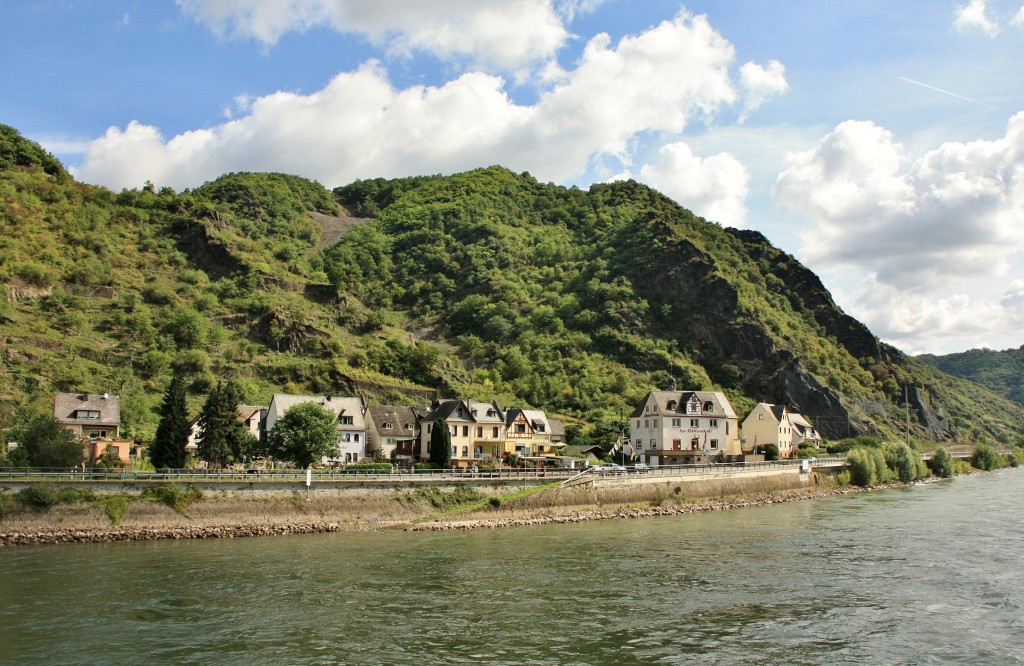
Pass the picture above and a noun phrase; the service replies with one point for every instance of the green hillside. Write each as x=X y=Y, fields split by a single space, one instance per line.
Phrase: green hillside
x=485 y=284
x=999 y=371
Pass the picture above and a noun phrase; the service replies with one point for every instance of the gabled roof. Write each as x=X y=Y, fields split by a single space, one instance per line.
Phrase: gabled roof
x=778 y=411
x=720 y=405
x=339 y=406
x=557 y=428
x=474 y=411
x=246 y=412
x=66 y=405
x=402 y=420
x=799 y=421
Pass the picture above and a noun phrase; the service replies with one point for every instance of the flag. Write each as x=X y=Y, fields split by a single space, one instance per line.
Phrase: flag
x=632 y=452
x=615 y=446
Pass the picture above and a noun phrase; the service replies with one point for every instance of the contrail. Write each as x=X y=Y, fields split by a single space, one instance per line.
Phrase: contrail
x=952 y=94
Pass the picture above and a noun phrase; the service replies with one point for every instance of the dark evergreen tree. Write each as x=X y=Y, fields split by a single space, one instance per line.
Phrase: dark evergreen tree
x=223 y=436
x=441 y=445
x=168 y=447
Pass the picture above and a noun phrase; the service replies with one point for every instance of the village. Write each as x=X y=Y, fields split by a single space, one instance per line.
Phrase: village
x=668 y=428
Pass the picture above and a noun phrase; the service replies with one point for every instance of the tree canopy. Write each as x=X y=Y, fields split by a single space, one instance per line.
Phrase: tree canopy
x=46 y=442
x=303 y=435
x=168 y=447
x=441 y=445
x=223 y=436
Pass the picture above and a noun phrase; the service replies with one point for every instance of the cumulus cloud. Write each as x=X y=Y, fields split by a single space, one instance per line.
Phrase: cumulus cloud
x=1018 y=18
x=713 y=187
x=761 y=83
x=500 y=35
x=955 y=211
x=361 y=126
x=917 y=230
x=939 y=323
x=974 y=16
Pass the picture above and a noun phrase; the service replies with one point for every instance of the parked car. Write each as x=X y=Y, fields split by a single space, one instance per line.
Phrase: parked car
x=640 y=468
x=609 y=468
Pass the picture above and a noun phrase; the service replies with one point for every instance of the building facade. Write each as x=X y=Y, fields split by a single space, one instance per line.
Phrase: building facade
x=685 y=427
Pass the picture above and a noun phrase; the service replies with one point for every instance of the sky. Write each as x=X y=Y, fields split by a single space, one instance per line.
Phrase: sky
x=880 y=143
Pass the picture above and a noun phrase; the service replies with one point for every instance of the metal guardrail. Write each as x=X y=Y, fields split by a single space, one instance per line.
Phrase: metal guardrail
x=363 y=475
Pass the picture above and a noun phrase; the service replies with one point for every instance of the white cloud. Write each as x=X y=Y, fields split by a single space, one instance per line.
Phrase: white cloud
x=713 y=187
x=974 y=16
x=570 y=9
x=360 y=126
x=955 y=211
x=761 y=83
x=499 y=35
x=916 y=230
x=1018 y=18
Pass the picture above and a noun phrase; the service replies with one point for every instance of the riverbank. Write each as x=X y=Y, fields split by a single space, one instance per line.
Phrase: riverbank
x=244 y=514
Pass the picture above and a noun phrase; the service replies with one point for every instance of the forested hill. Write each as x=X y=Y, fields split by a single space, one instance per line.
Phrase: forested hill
x=1000 y=371
x=485 y=284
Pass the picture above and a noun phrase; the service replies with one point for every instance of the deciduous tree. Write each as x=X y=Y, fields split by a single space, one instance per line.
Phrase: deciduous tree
x=306 y=433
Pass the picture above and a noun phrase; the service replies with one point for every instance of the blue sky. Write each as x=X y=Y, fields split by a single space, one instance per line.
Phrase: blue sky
x=879 y=142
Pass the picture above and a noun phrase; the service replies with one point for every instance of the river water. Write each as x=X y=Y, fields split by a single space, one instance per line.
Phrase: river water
x=925 y=575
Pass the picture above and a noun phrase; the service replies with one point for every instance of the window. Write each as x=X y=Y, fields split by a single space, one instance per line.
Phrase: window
x=91 y=414
x=653 y=444
x=760 y=417
x=428 y=428
x=712 y=423
x=694 y=423
x=714 y=443
x=455 y=450
x=355 y=437
x=455 y=430
x=671 y=405
x=647 y=423
x=677 y=423
x=520 y=428
x=709 y=406
x=345 y=420
x=462 y=412
x=494 y=432
x=540 y=427
x=465 y=452
x=638 y=424
x=465 y=431
x=479 y=431
x=655 y=423
x=347 y=437
x=96 y=434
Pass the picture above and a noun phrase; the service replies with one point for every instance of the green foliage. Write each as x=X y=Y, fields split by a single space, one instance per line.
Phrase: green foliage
x=306 y=433
x=173 y=495
x=771 y=451
x=168 y=447
x=862 y=468
x=46 y=495
x=941 y=463
x=18 y=152
x=987 y=458
x=45 y=442
x=223 y=437
x=902 y=461
x=440 y=446
x=116 y=507
x=1000 y=371
x=447 y=500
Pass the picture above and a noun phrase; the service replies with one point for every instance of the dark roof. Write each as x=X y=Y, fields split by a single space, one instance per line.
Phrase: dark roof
x=397 y=416
x=66 y=405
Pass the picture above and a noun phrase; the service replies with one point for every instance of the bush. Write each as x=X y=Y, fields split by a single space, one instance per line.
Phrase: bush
x=771 y=452
x=7 y=504
x=986 y=458
x=46 y=495
x=174 y=496
x=862 y=468
x=444 y=501
x=376 y=467
x=844 y=478
x=902 y=461
x=495 y=502
x=116 y=507
x=941 y=463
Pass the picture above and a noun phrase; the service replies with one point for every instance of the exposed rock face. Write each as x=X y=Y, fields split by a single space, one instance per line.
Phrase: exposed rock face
x=936 y=425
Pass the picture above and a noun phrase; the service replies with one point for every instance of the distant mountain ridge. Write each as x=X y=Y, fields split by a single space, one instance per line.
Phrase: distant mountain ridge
x=485 y=284
x=999 y=371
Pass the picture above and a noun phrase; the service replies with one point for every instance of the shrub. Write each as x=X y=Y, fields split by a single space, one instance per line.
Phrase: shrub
x=46 y=495
x=941 y=463
x=444 y=501
x=116 y=507
x=377 y=467
x=495 y=502
x=771 y=452
x=986 y=458
x=862 y=468
x=7 y=504
x=962 y=467
x=660 y=495
x=902 y=460
x=844 y=478
x=174 y=496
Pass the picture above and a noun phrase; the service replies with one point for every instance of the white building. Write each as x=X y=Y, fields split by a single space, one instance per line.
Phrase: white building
x=768 y=424
x=349 y=413
x=685 y=427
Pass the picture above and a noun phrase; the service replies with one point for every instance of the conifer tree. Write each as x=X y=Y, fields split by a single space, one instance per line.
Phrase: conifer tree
x=441 y=445
x=168 y=448
x=223 y=434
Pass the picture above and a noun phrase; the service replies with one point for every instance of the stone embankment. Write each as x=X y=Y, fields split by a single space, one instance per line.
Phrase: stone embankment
x=638 y=512
x=52 y=536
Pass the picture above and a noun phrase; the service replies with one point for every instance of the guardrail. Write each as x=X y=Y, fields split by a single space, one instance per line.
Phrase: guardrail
x=363 y=475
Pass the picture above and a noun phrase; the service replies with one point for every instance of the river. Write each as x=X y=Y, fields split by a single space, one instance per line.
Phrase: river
x=930 y=574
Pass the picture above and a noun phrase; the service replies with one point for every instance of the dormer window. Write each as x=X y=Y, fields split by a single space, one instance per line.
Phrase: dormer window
x=91 y=414
x=671 y=405
x=693 y=406
x=709 y=406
